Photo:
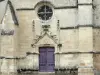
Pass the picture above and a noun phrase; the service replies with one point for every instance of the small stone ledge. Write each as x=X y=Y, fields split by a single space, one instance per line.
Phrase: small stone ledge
x=12 y=57
x=66 y=71
x=85 y=3
x=66 y=7
x=91 y=52
x=27 y=71
x=76 y=27
x=32 y=53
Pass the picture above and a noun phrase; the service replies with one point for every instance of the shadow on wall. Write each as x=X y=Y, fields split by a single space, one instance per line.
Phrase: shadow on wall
x=96 y=72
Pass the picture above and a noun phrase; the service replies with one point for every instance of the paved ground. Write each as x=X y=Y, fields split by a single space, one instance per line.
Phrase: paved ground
x=40 y=74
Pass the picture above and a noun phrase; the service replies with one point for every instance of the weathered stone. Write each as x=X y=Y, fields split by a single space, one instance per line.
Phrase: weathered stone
x=76 y=38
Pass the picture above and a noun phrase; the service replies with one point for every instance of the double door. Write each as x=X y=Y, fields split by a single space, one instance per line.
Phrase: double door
x=46 y=59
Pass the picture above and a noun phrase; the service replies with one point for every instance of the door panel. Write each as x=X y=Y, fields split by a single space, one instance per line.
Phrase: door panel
x=42 y=60
x=50 y=59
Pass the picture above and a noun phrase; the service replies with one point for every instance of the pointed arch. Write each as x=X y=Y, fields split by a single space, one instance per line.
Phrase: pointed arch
x=13 y=14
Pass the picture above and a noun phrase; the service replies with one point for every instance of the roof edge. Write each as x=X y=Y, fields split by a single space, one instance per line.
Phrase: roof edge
x=13 y=13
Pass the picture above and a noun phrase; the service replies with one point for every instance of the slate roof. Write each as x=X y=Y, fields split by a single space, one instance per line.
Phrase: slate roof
x=3 y=8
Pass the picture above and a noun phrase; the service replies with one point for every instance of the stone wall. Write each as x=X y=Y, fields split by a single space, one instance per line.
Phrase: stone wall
x=25 y=31
x=96 y=49
x=96 y=7
x=76 y=36
x=32 y=4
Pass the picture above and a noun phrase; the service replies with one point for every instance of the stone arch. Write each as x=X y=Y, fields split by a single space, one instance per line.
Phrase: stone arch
x=44 y=2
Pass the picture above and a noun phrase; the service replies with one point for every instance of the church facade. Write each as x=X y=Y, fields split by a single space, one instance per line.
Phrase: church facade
x=50 y=36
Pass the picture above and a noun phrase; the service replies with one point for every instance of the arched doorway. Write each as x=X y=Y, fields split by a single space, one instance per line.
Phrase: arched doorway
x=46 y=59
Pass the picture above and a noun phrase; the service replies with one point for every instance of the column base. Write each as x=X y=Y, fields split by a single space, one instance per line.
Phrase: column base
x=85 y=71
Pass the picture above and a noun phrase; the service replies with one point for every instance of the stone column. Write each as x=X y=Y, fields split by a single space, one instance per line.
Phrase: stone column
x=85 y=22
x=85 y=13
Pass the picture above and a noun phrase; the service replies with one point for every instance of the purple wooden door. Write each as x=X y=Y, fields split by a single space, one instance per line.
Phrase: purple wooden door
x=46 y=59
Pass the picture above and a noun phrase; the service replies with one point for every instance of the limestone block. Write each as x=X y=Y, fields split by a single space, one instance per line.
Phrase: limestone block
x=32 y=62
x=1 y=60
x=33 y=3
x=53 y=25
x=7 y=46
x=86 y=60
x=29 y=62
x=12 y=65
x=96 y=2
x=96 y=61
x=84 y=1
x=69 y=40
x=8 y=66
x=22 y=64
x=36 y=61
x=26 y=31
x=96 y=10
x=24 y=3
x=69 y=60
x=38 y=27
x=96 y=39
x=4 y=66
x=59 y=3
x=16 y=40
x=83 y=11
x=85 y=39
x=85 y=71
x=67 y=18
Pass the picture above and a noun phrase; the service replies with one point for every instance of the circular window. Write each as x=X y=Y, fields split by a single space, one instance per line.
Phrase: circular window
x=45 y=12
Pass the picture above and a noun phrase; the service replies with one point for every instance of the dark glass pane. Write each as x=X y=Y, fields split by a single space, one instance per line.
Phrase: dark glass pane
x=49 y=9
x=45 y=12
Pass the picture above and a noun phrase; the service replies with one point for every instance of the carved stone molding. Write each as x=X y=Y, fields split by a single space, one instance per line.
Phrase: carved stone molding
x=46 y=28
x=7 y=32
x=45 y=32
x=41 y=36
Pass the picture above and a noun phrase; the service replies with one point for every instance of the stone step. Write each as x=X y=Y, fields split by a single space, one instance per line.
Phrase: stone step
x=46 y=73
